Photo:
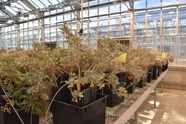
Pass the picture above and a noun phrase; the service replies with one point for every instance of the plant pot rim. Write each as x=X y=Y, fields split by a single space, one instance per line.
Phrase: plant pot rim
x=83 y=107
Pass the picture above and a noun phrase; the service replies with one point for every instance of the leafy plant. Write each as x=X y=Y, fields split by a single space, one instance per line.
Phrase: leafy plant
x=27 y=80
x=90 y=65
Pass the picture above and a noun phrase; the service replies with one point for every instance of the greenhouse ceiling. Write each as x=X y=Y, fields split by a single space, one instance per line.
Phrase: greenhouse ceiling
x=16 y=11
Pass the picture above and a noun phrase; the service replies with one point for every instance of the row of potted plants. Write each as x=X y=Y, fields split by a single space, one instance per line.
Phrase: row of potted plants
x=38 y=80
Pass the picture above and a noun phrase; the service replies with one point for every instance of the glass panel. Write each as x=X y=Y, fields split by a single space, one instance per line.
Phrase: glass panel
x=153 y=20
x=93 y=28
x=21 y=26
x=67 y=8
x=53 y=12
x=30 y=24
x=3 y=14
x=125 y=23
x=93 y=2
x=168 y=2
x=31 y=16
x=22 y=4
x=10 y=9
x=169 y=45
x=47 y=13
x=124 y=7
x=45 y=2
x=182 y=49
x=114 y=26
x=139 y=23
x=54 y=1
x=103 y=26
x=13 y=28
x=103 y=1
x=60 y=18
x=25 y=25
x=53 y=20
x=67 y=17
x=47 y=21
x=35 y=23
x=115 y=8
x=182 y=19
x=37 y=3
x=93 y=12
x=138 y=41
x=17 y=7
x=151 y=42
x=153 y=3
x=169 y=21
x=140 y=4
x=103 y=10
x=85 y=13
x=47 y=32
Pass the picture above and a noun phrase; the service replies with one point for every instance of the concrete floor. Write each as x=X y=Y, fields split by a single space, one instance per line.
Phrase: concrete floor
x=171 y=108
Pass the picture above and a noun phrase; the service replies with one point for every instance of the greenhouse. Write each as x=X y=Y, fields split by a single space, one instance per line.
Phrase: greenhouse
x=61 y=53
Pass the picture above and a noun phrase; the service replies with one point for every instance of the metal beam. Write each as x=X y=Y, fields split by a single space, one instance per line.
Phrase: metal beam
x=33 y=8
x=3 y=19
x=131 y=3
x=7 y=12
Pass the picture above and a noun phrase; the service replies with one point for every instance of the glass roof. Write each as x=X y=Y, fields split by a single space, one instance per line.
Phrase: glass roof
x=45 y=3
x=13 y=9
x=10 y=10
x=17 y=8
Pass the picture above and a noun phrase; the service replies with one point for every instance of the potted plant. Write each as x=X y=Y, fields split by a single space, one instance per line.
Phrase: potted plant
x=26 y=82
x=78 y=62
x=109 y=52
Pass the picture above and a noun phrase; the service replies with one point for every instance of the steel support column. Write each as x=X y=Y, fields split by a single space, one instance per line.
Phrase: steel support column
x=131 y=3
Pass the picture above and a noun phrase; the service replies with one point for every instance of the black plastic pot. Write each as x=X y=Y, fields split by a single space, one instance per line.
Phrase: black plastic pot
x=89 y=95
x=2 y=101
x=12 y=118
x=130 y=87
x=165 y=67
x=93 y=91
x=93 y=113
x=159 y=70
x=141 y=83
x=155 y=72
x=61 y=79
x=64 y=95
x=121 y=76
x=149 y=74
x=112 y=99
